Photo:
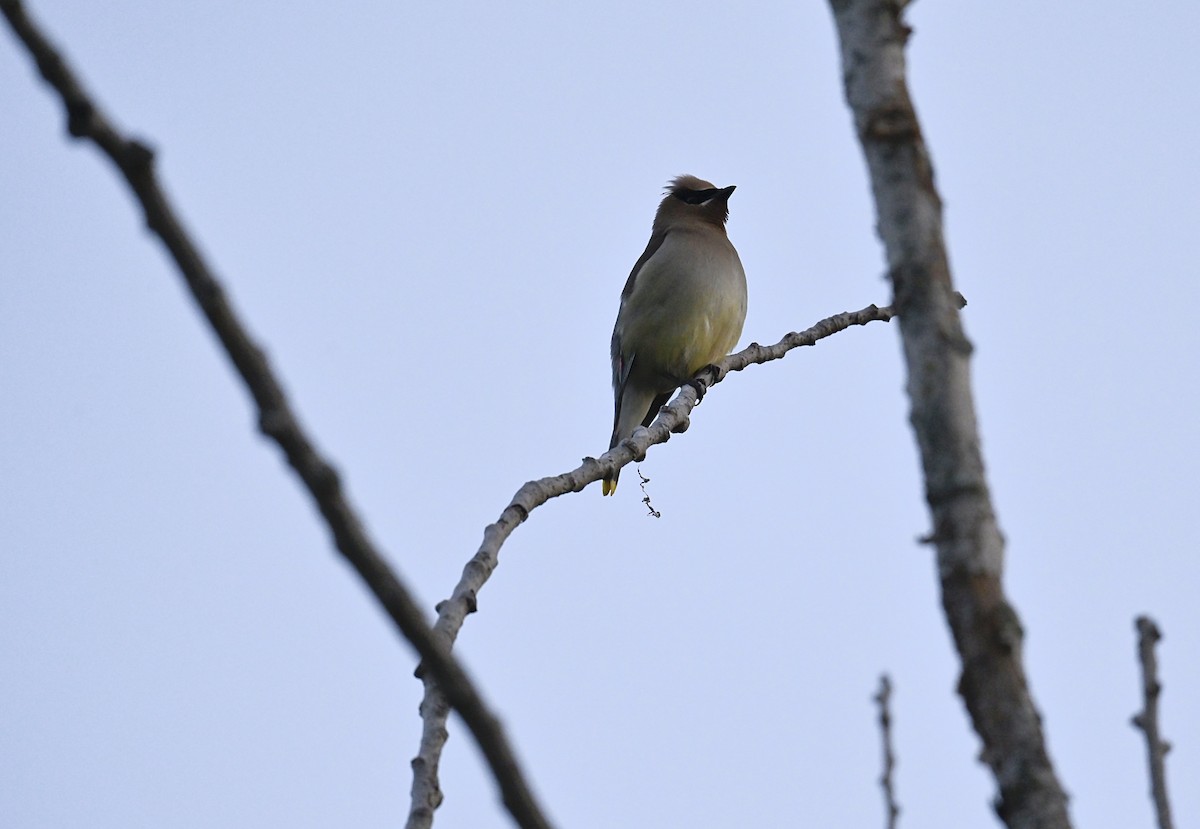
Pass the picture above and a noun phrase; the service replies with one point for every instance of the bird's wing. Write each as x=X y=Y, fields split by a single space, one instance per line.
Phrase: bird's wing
x=622 y=362
x=656 y=242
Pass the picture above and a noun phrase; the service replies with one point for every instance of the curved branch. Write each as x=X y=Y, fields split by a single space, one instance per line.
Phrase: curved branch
x=970 y=548
x=672 y=418
x=276 y=418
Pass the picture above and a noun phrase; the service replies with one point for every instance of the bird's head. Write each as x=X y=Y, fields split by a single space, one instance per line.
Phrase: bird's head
x=691 y=198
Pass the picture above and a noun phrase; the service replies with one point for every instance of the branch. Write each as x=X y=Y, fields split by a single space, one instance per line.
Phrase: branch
x=672 y=418
x=970 y=548
x=1147 y=719
x=276 y=418
x=882 y=699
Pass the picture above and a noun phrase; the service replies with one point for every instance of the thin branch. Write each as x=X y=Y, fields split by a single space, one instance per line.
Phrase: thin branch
x=672 y=418
x=651 y=512
x=970 y=547
x=276 y=418
x=883 y=699
x=1147 y=719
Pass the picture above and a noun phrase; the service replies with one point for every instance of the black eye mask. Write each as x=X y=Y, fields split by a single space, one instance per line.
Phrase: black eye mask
x=696 y=196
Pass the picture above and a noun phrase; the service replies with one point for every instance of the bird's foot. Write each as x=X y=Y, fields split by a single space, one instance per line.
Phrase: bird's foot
x=704 y=378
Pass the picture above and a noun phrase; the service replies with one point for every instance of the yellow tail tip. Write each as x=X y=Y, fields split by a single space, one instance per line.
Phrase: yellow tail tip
x=608 y=486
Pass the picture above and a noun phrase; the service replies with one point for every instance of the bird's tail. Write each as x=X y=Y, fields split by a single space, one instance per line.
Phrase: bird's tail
x=609 y=485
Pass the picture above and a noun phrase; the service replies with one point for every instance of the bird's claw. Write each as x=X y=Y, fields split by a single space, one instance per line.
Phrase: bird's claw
x=704 y=378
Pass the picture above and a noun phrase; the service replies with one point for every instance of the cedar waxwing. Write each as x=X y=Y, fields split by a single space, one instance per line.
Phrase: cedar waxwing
x=682 y=308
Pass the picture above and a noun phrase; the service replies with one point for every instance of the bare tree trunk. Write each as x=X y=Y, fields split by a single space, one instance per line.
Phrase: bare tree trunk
x=970 y=547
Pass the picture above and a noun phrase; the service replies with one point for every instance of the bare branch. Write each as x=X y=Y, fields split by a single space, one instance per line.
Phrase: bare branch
x=276 y=418
x=1147 y=719
x=672 y=418
x=883 y=699
x=970 y=548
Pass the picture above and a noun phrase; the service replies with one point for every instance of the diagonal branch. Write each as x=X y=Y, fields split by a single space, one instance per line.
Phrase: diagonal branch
x=1146 y=720
x=970 y=548
x=426 y=795
x=276 y=418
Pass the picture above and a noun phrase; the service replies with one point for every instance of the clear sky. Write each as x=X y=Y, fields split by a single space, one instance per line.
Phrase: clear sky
x=426 y=213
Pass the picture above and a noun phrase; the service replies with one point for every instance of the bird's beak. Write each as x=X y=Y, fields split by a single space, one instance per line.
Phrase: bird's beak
x=728 y=191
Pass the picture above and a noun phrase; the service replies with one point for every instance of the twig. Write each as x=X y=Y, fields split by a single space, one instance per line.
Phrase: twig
x=672 y=418
x=1147 y=719
x=651 y=512
x=883 y=699
x=970 y=547
x=276 y=418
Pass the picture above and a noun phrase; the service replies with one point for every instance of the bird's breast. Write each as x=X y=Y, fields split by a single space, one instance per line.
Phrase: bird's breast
x=687 y=307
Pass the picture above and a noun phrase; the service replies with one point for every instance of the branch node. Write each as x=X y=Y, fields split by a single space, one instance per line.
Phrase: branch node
x=273 y=422
x=79 y=116
x=138 y=156
x=892 y=124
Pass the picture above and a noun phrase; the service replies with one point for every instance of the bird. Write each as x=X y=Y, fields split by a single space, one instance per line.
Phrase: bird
x=682 y=307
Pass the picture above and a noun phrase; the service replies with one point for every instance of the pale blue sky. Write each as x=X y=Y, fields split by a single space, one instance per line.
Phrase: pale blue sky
x=426 y=214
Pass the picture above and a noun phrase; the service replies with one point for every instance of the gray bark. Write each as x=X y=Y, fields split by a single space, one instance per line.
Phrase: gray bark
x=970 y=547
